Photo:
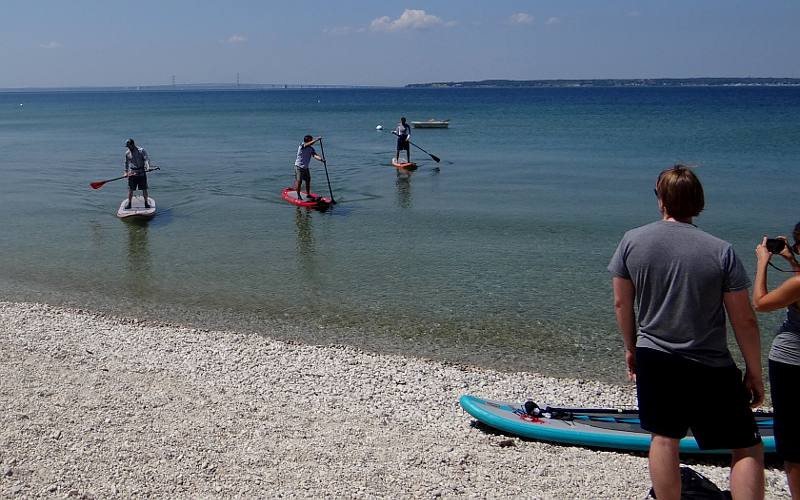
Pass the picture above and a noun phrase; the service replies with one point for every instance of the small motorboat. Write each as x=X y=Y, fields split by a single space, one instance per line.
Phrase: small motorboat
x=431 y=124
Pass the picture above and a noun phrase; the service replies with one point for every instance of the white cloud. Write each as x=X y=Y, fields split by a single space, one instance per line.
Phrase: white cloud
x=236 y=39
x=521 y=18
x=553 y=20
x=50 y=45
x=411 y=19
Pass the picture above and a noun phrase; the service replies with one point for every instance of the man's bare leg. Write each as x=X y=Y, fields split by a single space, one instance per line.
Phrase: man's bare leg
x=665 y=467
x=747 y=472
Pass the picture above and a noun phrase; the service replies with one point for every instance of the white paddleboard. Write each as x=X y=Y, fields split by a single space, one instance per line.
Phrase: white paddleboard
x=137 y=208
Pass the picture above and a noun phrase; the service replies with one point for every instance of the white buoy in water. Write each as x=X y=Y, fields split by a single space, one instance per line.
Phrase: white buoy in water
x=20 y=105
x=379 y=127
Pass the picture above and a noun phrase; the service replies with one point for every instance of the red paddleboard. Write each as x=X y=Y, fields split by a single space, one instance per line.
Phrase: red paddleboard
x=404 y=165
x=312 y=201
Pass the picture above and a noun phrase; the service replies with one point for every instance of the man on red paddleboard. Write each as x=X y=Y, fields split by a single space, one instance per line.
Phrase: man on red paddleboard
x=302 y=173
x=403 y=133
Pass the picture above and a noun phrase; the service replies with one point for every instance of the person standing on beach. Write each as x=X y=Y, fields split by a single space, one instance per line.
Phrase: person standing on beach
x=784 y=356
x=137 y=163
x=301 y=165
x=684 y=281
x=403 y=133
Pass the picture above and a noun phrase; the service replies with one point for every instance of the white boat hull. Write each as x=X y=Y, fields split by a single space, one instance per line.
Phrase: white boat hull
x=431 y=124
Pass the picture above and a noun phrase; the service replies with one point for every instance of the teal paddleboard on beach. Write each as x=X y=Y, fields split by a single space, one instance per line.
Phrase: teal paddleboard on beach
x=595 y=427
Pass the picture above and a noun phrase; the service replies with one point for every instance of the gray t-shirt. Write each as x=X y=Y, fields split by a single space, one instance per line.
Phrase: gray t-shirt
x=680 y=274
x=786 y=346
x=304 y=155
x=136 y=161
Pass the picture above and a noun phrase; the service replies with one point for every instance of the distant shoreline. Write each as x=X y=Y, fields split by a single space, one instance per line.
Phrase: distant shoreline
x=561 y=83
x=616 y=82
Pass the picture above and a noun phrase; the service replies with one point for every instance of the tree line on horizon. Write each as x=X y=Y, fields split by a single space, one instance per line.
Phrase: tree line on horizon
x=613 y=82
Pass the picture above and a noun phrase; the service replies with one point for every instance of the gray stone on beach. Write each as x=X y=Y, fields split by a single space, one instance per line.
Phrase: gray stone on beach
x=191 y=413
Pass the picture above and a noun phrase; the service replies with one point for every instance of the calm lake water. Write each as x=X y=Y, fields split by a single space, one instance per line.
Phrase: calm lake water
x=495 y=256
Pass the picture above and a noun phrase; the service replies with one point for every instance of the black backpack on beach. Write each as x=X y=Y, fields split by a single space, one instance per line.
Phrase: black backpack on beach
x=695 y=486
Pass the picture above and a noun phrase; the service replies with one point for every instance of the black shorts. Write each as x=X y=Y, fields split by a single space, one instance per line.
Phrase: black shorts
x=137 y=182
x=786 y=404
x=676 y=394
x=302 y=174
x=403 y=144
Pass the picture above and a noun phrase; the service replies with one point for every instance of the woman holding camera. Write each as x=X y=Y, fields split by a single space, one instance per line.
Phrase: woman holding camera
x=784 y=357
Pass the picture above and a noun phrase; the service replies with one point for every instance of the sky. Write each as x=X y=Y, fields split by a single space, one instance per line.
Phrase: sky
x=60 y=43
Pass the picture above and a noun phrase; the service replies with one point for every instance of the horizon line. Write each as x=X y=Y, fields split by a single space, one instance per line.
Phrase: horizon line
x=198 y=86
x=296 y=86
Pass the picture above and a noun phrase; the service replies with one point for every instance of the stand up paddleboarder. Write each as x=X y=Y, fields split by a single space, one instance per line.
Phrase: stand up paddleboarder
x=136 y=165
x=403 y=133
x=304 y=154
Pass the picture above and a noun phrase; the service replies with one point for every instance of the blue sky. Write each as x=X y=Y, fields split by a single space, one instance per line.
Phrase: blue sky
x=46 y=43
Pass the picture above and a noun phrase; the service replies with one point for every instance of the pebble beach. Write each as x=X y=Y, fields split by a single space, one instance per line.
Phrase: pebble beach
x=102 y=407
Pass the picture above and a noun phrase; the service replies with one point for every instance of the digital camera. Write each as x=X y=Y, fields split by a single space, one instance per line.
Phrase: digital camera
x=775 y=245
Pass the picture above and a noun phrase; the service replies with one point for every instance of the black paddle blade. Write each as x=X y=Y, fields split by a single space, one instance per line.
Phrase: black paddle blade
x=435 y=158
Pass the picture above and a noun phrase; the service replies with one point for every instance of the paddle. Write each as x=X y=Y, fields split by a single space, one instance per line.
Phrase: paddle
x=434 y=157
x=325 y=164
x=99 y=184
x=534 y=410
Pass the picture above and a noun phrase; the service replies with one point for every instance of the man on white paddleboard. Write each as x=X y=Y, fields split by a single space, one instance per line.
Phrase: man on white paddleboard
x=136 y=165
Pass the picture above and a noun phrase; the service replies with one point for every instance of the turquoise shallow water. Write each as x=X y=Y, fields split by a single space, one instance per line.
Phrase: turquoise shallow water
x=495 y=256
